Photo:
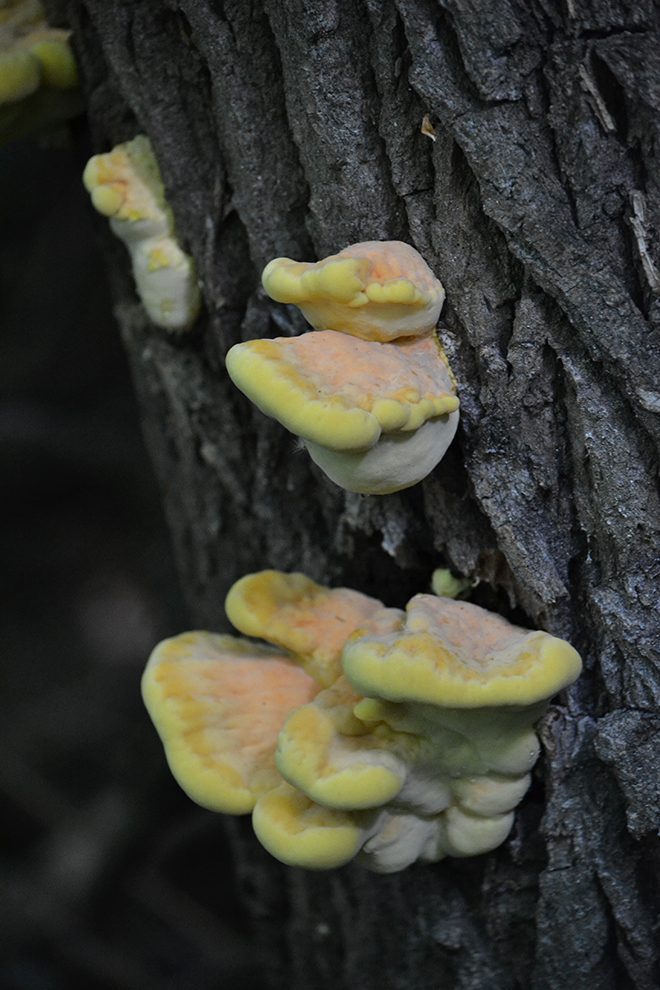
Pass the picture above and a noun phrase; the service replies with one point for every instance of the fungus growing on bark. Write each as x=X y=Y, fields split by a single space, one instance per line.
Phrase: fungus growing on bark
x=420 y=749
x=432 y=727
x=310 y=621
x=31 y=52
x=218 y=703
x=370 y=393
x=376 y=290
x=37 y=71
x=125 y=185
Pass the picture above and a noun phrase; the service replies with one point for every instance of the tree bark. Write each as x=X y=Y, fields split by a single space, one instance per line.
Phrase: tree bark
x=293 y=127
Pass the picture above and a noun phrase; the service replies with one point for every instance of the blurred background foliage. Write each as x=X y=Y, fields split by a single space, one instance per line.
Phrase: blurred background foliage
x=109 y=876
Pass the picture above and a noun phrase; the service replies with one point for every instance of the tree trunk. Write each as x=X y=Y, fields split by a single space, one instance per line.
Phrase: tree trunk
x=293 y=127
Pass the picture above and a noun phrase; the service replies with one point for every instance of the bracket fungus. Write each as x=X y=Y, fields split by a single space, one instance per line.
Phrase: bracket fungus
x=370 y=392
x=375 y=290
x=365 y=731
x=37 y=67
x=308 y=620
x=125 y=185
x=218 y=703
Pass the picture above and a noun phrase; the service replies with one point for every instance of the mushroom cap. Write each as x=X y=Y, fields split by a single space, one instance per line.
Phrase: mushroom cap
x=455 y=654
x=51 y=47
x=31 y=52
x=376 y=290
x=20 y=75
x=218 y=704
x=334 y=758
x=125 y=184
x=299 y=832
x=307 y=619
x=340 y=392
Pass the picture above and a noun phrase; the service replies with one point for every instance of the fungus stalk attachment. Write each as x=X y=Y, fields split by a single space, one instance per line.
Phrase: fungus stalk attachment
x=364 y=732
x=370 y=392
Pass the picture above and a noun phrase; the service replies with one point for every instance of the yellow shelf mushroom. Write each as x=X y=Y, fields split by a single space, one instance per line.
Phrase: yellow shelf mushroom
x=218 y=703
x=366 y=731
x=38 y=71
x=434 y=720
x=299 y=832
x=31 y=52
x=376 y=290
x=370 y=393
x=308 y=620
x=125 y=185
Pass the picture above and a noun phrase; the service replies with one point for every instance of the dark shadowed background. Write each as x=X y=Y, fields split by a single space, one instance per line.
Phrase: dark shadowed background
x=110 y=877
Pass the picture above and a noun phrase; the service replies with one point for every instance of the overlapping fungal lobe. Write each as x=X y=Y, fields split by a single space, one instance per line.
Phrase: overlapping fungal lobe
x=310 y=621
x=125 y=186
x=365 y=731
x=456 y=654
x=370 y=393
x=375 y=290
x=427 y=742
x=218 y=703
x=32 y=54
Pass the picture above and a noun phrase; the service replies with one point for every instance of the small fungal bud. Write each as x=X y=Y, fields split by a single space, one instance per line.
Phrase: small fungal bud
x=125 y=185
x=444 y=583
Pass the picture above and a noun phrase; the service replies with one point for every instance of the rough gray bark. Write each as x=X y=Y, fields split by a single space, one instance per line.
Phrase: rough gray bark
x=292 y=127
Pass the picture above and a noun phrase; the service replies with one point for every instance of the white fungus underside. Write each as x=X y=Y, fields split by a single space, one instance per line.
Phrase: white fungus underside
x=396 y=461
